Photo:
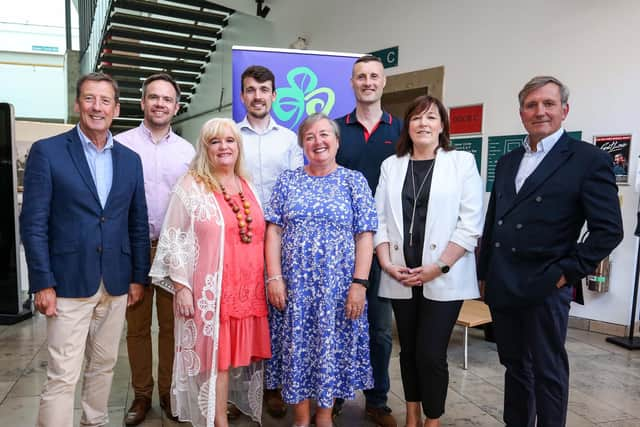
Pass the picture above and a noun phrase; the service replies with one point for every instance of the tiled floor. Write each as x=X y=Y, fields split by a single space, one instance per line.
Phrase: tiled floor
x=605 y=383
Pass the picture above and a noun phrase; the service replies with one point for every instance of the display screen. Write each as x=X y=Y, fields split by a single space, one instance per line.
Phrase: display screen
x=9 y=291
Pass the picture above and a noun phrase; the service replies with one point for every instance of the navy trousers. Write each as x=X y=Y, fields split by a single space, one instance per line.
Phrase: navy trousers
x=531 y=347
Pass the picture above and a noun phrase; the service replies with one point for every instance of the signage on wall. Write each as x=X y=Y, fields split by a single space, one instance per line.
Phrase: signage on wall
x=388 y=56
x=618 y=147
x=473 y=145
x=466 y=119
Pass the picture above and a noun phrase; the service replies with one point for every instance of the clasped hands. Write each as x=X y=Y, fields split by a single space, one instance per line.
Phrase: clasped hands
x=413 y=276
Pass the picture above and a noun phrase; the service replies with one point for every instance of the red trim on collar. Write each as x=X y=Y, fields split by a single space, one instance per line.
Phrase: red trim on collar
x=367 y=134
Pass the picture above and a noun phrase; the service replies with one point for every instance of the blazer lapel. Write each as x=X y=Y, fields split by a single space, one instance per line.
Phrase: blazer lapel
x=115 y=160
x=396 y=182
x=551 y=162
x=506 y=189
x=438 y=180
x=76 y=151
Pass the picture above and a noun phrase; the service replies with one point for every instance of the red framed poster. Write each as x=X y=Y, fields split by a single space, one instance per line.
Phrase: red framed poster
x=466 y=119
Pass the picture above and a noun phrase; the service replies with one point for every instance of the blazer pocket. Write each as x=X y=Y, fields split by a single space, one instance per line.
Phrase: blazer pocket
x=64 y=247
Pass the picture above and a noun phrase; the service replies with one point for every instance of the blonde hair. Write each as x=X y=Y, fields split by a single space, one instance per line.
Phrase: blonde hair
x=201 y=168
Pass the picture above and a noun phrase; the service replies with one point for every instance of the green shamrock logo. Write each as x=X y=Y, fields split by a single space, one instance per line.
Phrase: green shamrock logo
x=302 y=97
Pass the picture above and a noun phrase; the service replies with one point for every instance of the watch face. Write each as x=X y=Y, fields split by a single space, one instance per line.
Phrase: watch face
x=445 y=269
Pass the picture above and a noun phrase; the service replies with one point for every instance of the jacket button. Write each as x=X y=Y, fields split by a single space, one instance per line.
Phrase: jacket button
x=99 y=249
x=499 y=222
x=518 y=226
x=513 y=249
x=497 y=244
x=102 y=219
x=539 y=199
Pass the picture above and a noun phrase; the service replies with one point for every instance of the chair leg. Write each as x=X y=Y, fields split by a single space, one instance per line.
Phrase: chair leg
x=466 y=344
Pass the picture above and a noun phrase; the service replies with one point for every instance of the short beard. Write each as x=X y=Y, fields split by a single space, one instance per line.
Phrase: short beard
x=257 y=115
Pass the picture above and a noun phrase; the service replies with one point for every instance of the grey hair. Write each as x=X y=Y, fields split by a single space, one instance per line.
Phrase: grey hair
x=313 y=119
x=539 y=81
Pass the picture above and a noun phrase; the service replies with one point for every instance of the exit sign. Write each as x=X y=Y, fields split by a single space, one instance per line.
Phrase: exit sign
x=388 y=56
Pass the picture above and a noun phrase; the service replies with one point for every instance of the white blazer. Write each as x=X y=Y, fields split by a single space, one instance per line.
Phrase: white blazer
x=454 y=214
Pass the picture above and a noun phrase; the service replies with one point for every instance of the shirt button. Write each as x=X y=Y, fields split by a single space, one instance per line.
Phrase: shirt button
x=395 y=247
x=432 y=246
x=497 y=244
x=518 y=226
x=539 y=199
x=499 y=222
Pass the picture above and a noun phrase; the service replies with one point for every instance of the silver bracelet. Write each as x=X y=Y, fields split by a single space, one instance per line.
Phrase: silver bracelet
x=274 y=278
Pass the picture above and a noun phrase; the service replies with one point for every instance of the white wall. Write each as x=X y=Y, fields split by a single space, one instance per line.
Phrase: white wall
x=489 y=50
x=35 y=83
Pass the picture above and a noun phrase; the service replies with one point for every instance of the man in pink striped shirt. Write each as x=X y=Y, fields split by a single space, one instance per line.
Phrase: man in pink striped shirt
x=165 y=157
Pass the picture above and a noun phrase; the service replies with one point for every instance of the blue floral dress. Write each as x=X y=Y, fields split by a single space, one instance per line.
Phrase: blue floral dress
x=317 y=352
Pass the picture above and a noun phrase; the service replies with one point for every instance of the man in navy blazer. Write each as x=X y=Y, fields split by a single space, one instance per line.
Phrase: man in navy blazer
x=85 y=232
x=531 y=262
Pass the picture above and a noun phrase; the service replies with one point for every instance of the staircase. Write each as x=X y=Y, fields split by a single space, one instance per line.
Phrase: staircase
x=143 y=37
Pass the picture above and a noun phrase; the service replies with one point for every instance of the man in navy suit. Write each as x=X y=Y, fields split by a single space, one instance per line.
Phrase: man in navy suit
x=85 y=232
x=530 y=261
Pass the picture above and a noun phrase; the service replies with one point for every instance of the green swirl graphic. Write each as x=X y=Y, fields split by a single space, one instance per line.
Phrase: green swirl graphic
x=302 y=97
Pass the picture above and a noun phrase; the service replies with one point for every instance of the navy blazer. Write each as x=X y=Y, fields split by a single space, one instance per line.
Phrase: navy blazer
x=70 y=241
x=531 y=238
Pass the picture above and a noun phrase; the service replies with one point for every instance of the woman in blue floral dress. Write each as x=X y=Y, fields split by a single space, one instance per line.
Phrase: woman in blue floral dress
x=318 y=252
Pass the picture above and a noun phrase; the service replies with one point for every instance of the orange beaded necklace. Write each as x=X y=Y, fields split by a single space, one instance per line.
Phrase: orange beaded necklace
x=242 y=215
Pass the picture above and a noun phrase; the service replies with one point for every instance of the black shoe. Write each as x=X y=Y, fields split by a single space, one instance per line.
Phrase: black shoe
x=337 y=407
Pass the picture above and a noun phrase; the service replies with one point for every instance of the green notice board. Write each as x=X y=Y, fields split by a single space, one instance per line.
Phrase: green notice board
x=501 y=145
x=472 y=145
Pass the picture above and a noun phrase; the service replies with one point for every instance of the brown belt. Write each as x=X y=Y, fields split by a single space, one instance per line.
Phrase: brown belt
x=154 y=243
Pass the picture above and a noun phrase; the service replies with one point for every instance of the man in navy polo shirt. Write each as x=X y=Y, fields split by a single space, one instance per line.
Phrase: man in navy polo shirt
x=368 y=136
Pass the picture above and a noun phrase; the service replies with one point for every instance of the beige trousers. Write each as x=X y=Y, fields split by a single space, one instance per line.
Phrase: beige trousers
x=89 y=329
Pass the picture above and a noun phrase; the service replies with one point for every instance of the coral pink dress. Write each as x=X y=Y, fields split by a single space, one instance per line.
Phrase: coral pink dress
x=244 y=327
x=200 y=248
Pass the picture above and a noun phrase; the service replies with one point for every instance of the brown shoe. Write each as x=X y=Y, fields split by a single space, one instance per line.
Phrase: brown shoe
x=138 y=411
x=165 y=404
x=232 y=411
x=381 y=416
x=274 y=403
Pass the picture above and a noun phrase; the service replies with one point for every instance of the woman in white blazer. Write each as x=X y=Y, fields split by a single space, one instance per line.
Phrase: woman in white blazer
x=429 y=203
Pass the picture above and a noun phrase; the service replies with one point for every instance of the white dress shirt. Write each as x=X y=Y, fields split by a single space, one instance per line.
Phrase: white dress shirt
x=268 y=154
x=532 y=159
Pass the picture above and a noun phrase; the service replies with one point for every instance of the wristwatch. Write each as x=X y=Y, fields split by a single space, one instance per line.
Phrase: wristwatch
x=444 y=268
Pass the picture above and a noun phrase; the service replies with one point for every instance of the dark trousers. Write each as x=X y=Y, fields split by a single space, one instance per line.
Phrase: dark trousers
x=530 y=344
x=139 y=346
x=424 y=329
x=380 y=339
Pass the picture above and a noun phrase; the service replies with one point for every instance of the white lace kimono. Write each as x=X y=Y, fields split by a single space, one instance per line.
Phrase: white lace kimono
x=190 y=252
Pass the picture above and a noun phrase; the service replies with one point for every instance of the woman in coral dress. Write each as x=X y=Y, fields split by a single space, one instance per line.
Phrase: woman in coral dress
x=210 y=255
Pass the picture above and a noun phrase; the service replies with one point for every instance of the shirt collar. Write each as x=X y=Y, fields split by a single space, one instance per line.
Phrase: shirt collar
x=273 y=125
x=545 y=144
x=147 y=132
x=90 y=143
x=351 y=118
